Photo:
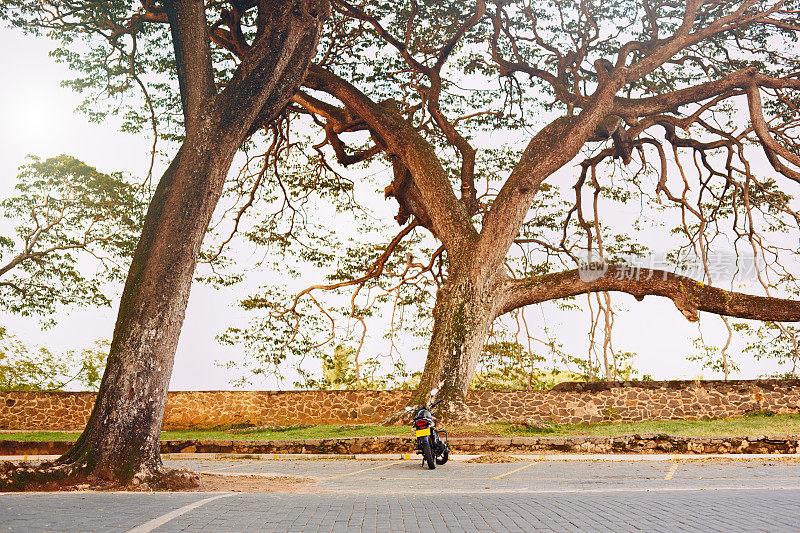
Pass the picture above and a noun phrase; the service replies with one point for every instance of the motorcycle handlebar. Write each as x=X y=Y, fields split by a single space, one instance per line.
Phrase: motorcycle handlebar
x=434 y=404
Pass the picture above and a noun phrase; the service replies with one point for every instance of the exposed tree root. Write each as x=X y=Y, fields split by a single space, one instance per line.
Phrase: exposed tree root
x=452 y=412
x=27 y=477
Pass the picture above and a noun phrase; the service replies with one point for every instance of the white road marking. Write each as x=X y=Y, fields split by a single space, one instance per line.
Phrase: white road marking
x=163 y=519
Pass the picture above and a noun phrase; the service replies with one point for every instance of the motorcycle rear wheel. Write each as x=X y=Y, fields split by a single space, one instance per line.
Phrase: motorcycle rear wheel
x=427 y=453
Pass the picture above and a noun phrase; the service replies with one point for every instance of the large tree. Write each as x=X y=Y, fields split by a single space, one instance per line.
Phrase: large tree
x=603 y=84
x=224 y=101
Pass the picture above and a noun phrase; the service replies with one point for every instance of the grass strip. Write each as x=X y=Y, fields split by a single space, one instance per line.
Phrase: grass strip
x=754 y=424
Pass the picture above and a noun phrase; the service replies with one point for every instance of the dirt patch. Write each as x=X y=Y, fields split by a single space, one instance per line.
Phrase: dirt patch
x=26 y=477
x=52 y=477
x=251 y=483
x=743 y=461
x=495 y=457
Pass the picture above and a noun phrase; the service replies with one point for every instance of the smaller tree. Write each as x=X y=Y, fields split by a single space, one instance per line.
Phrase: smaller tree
x=26 y=369
x=772 y=340
x=504 y=363
x=343 y=371
x=337 y=370
x=69 y=220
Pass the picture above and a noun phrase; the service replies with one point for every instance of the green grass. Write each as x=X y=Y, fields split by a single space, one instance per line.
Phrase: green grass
x=315 y=432
x=39 y=436
x=756 y=424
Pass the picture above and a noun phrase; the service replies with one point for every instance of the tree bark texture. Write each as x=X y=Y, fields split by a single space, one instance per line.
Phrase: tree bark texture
x=688 y=295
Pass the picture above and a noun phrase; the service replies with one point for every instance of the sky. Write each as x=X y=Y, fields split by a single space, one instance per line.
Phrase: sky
x=38 y=118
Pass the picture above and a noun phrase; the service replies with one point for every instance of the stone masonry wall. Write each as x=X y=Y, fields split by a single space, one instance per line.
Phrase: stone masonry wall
x=567 y=403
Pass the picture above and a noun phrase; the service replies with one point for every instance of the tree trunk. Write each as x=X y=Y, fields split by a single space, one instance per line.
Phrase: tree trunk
x=120 y=444
x=121 y=440
x=461 y=320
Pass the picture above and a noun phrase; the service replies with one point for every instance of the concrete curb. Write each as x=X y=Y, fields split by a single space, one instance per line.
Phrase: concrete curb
x=619 y=444
x=466 y=457
x=457 y=458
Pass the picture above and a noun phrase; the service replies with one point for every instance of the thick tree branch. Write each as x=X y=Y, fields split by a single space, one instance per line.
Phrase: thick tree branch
x=266 y=78
x=329 y=112
x=551 y=148
x=689 y=296
x=190 y=39
x=449 y=217
x=407 y=195
x=339 y=148
x=468 y=191
x=671 y=101
x=772 y=148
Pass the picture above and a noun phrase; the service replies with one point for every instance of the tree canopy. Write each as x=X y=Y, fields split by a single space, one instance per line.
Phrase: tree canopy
x=483 y=110
x=517 y=133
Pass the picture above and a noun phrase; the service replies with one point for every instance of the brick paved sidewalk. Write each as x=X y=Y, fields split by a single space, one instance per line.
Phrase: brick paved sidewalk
x=374 y=496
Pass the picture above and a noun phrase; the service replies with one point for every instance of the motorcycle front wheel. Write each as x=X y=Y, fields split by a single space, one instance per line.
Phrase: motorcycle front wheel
x=443 y=458
x=427 y=452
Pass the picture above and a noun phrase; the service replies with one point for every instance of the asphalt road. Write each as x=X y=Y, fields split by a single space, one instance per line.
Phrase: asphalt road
x=719 y=495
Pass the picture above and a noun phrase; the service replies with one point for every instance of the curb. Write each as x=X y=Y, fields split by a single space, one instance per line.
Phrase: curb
x=361 y=446
x=466 y=457
x=621 y=457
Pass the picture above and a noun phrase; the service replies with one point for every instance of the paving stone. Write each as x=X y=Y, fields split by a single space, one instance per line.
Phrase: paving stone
x=747 y=496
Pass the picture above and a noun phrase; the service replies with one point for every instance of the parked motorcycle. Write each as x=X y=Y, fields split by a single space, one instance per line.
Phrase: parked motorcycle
x=430 y=445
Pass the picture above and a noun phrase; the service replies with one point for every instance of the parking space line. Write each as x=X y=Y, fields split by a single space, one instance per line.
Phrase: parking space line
x=516 y=470
x=163 y=519
x=364 y=470
x=671 y=471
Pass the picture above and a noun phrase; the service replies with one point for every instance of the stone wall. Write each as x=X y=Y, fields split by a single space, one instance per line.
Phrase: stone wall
x=568 y=403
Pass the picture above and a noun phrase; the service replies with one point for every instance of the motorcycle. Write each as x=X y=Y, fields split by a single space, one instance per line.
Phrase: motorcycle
x=430 y=445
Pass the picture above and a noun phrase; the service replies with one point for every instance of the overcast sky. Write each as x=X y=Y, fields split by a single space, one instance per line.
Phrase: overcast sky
x=38 y=118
